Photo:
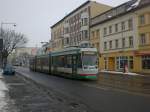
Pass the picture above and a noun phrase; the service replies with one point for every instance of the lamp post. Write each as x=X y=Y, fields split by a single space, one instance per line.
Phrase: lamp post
x=1 y=39
x=2 y=23
x=44 y=47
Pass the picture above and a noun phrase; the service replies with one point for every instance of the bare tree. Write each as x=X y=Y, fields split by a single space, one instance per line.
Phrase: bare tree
x=11 y=41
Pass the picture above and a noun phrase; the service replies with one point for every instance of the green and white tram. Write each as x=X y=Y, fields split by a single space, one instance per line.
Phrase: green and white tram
x=74 y=62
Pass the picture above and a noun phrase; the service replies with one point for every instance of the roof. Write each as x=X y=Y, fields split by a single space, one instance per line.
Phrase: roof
x=129 y=4
x=87 y=2
x=72 y=50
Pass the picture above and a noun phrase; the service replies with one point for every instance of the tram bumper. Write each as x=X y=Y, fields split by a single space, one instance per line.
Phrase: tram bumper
x=88 y=74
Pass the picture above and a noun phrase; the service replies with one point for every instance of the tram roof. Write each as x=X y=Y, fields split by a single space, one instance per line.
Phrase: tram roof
x=68 y=51
x=43 y=55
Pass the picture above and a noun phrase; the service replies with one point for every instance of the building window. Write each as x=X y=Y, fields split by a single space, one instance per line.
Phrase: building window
x=146 y=62
x=105 y=45
x=82 y=34
x=130 y=24
x=97 y=33
x=123 y=42
x=67 y=41
x=79 y=36
x=93 y=45
x=105 y=31
x=142 y=19
x=131 y=62
x=116 y=27
x=85 y=21
x=93 y=34
x=110 y=44
x=121 y=61
x=86 y=33
x=123 y=25
x=105 y=62
x=116 y=43
x=82 y=22
x=131 y=41
x=142 y=39
x=110 y=29
x=97 y=46
x=66 y=30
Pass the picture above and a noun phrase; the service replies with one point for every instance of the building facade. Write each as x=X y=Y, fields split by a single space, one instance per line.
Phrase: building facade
x=142 y=55
x=21 y=56
x=121 y=36
x=74 y=28
x=57 y=35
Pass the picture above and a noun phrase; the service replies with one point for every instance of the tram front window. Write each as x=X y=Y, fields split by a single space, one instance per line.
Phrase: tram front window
x=89 y=59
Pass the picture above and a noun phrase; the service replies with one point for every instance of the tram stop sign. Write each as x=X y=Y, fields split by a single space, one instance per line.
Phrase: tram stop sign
x=1 y=44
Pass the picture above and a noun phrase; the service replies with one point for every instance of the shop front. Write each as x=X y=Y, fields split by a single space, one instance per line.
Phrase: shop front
x=118 y=61
x=144 y=61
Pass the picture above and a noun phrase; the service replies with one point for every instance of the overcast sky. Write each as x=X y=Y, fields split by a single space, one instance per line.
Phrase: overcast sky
x=34 y=17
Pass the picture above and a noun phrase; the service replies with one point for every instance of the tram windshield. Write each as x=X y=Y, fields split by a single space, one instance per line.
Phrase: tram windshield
x=89 y=58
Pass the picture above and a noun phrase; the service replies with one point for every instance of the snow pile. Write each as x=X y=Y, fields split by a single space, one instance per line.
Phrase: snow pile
x=115 y=72
x=134 y=5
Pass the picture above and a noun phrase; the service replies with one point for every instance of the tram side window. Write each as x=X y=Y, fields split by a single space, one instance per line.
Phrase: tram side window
x=43 y=61
x=38 y=62
x=69 y=61
x=61 y=61
x=54 y=61
x=46 y=61
x=79 y=61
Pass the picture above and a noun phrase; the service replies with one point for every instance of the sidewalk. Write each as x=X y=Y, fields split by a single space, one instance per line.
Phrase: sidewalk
x=6 y=103
x=132 y=82
x=23 y=95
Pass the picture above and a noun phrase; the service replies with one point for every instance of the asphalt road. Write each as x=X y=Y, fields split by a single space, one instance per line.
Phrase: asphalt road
x=97 y=98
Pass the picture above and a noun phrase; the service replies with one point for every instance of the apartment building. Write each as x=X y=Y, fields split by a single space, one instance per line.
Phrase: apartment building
x=57 y=35
x=142 y=55
x=119 y=36
x=74 y=27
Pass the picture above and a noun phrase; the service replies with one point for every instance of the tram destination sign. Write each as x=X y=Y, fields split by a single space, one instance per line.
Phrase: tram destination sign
x=89 y=53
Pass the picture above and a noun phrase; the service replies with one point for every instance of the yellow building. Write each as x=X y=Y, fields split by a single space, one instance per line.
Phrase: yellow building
x=57 y=36
x=95 y=37
x=74 y=27
x=142 y=55
x=123 y=41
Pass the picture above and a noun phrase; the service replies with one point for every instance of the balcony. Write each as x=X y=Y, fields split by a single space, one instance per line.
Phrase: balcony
x=85 y=15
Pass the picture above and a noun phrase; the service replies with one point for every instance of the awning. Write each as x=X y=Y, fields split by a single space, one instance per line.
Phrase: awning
x=142 y=53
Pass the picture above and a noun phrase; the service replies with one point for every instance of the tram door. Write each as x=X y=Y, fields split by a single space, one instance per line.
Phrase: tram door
x=50 y=64
x=74 y=64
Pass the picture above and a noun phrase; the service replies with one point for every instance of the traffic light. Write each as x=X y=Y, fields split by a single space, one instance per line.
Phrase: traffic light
x=1 y=44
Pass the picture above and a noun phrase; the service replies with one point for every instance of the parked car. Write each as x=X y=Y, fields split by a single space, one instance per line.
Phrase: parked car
x=9 y=70
x=1 y=71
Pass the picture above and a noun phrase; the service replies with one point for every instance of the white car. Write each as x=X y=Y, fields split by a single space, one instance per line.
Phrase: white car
x=1 y=71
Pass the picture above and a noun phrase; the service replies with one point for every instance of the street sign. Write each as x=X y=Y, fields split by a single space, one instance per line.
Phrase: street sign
x=1 y=44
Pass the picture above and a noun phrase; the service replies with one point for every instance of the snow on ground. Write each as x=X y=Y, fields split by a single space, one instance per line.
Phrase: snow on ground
x=3 y=90
x=115 y=72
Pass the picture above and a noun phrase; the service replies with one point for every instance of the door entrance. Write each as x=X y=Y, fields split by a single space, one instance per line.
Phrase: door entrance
x=74 y=64
x=121 y=61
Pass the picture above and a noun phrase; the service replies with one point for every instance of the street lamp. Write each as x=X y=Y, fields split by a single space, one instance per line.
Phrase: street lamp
x=44 y=46
x=2 y=23
x=44 y=42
